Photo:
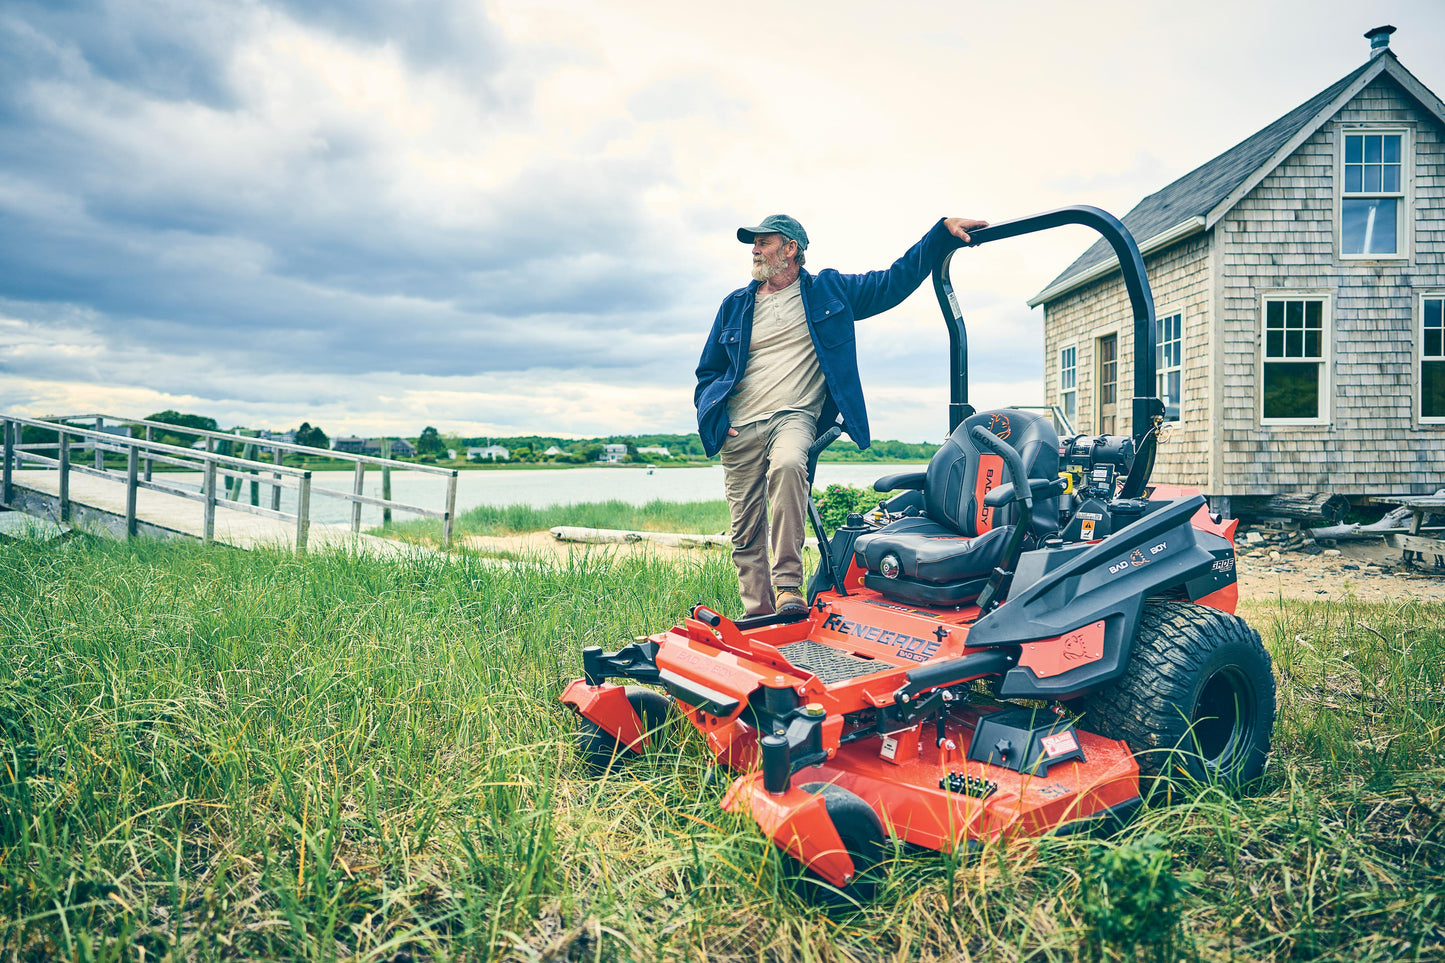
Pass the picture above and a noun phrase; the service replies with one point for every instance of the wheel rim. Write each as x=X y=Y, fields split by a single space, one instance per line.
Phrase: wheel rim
x=1224 y=719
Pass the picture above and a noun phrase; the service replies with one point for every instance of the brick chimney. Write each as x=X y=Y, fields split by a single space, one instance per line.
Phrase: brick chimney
x=1379 y=38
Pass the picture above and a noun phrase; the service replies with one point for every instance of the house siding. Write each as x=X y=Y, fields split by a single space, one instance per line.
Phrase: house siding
x=1179 y=277
x=1281 y=239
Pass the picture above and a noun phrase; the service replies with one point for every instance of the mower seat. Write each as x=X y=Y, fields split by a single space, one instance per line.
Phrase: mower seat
x=945 y=556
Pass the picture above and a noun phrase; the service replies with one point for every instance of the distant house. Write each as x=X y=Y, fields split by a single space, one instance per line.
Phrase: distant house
x=348 y=443
x=287 y=437
x=120 y=431
x=1299 y=290
x=551 y=451
x=488 y=453
x=658 y=450
x=400 y=448
x=612 y=453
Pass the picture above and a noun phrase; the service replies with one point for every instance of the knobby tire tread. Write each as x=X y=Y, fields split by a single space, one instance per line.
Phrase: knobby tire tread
x=1174 y=644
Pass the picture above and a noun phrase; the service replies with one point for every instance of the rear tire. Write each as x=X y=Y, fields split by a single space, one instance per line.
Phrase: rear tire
x=858 y=827
x=1197 y=699
x=600 y=750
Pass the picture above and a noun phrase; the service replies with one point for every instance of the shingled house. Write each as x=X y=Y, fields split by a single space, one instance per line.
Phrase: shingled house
x=1299 y=287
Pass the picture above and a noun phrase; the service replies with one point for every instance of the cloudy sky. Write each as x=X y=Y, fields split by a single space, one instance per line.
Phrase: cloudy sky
x=514 y=216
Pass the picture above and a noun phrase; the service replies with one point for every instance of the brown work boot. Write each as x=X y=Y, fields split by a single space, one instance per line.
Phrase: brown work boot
x=790 y=602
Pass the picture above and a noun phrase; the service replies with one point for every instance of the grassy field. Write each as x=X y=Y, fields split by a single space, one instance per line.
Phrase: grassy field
x=707 y=517
x=212 y=754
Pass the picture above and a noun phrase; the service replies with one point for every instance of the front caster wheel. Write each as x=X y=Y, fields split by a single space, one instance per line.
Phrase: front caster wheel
x=862 y=835
x=600 y=750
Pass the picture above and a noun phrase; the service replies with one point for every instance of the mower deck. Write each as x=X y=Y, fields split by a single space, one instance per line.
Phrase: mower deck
x=932 y=795
x=849 y=658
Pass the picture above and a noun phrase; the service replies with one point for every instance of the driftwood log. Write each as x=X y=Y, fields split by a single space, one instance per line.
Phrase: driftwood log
x=615 y=536
x=1395 y=520
x=1317 y=507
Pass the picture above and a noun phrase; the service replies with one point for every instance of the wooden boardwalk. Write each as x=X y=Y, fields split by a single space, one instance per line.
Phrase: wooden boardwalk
x=78 y=486
x=98 y=503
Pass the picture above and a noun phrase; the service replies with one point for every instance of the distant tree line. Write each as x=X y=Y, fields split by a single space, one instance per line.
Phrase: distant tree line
x=433 y=446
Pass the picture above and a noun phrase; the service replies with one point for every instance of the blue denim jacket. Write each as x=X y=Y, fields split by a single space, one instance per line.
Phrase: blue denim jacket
x=832 y=302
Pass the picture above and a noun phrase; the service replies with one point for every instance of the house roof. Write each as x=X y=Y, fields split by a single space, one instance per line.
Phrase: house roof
x=1196 y=201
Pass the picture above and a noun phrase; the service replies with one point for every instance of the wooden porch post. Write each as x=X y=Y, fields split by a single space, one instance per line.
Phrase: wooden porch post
x=386 y=481
x=303 y=511
x=64 y=477
x=276 y=484
x=5 y=494
x=451 y=510
x=208 y=526
x=132 y=464
x=356 y=506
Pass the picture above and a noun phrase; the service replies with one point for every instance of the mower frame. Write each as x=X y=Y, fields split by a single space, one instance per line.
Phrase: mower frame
x=894 y=709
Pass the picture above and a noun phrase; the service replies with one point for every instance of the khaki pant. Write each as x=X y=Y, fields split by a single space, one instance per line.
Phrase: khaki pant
x=765 y=465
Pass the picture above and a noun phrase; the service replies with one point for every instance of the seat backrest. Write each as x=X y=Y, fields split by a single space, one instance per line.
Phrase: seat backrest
x=961 y=473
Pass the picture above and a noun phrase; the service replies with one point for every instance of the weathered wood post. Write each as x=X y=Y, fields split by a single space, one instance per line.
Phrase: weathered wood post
x=5 y=493
x=251 y=454
x=386 y=481
x=356 y=506
x=132 y=466
x=64 y=477
x=208 y=526
x=150 y=437
x=451 y=510
x=303 y=511
x=99 y=453
x=207 y=479
x=276 y=484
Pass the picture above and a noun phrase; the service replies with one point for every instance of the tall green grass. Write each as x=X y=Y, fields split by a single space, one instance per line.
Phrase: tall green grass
x=212 y=754
x=704 y=518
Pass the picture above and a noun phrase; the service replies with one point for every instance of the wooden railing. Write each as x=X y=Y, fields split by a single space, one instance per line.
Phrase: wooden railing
x=233 y=471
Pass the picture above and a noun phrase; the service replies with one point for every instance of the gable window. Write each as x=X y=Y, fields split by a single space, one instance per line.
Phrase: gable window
x=1169 y=336
x=1295 y=383
x=1432 y=359
x=1068 y=382
x=1372 y=200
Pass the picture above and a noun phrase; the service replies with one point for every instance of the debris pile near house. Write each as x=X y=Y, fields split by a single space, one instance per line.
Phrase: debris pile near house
x=1274 y=535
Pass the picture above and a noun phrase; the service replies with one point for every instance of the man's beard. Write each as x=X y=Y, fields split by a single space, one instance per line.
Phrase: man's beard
x=768 y=268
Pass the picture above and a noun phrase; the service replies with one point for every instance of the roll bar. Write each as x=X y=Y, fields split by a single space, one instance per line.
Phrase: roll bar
x=1148 y=410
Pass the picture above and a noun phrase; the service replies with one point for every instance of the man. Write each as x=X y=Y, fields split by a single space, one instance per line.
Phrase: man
x=780 y=361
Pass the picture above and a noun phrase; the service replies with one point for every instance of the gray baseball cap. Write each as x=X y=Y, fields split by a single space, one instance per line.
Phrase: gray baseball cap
x=776 y=224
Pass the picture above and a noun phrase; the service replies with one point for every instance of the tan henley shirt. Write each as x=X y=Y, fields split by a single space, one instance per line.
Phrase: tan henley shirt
x=782 y=372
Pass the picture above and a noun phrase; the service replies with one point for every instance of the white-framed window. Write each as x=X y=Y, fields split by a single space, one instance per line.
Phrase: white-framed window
x=1295 y=382
x=1169 y=361
x=1069 y=382
x=1432 y=358
x=1373 y=209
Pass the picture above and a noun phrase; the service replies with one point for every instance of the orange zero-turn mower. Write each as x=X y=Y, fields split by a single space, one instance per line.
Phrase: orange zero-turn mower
x=1004 y=648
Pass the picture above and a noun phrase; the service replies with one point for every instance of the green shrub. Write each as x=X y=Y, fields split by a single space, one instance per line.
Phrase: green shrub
x=1131 y=901
x=836 y=501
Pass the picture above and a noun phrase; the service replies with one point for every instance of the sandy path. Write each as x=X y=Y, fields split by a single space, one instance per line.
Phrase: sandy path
x=1363 y=571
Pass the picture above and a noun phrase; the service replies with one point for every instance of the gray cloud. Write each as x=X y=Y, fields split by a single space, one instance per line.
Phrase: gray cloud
x=168 y=49
x=203 y=202
x=299 y=250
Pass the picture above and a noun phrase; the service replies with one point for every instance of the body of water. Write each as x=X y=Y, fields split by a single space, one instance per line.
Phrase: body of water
x=537 y=488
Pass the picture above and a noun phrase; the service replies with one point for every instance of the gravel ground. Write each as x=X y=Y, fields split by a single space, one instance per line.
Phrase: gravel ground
x=1365 y=571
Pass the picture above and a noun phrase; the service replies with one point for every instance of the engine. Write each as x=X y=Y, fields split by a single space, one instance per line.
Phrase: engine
x=1095 y=464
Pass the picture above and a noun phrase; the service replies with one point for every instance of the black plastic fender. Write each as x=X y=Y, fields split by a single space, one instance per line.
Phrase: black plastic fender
x=1056 y=591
